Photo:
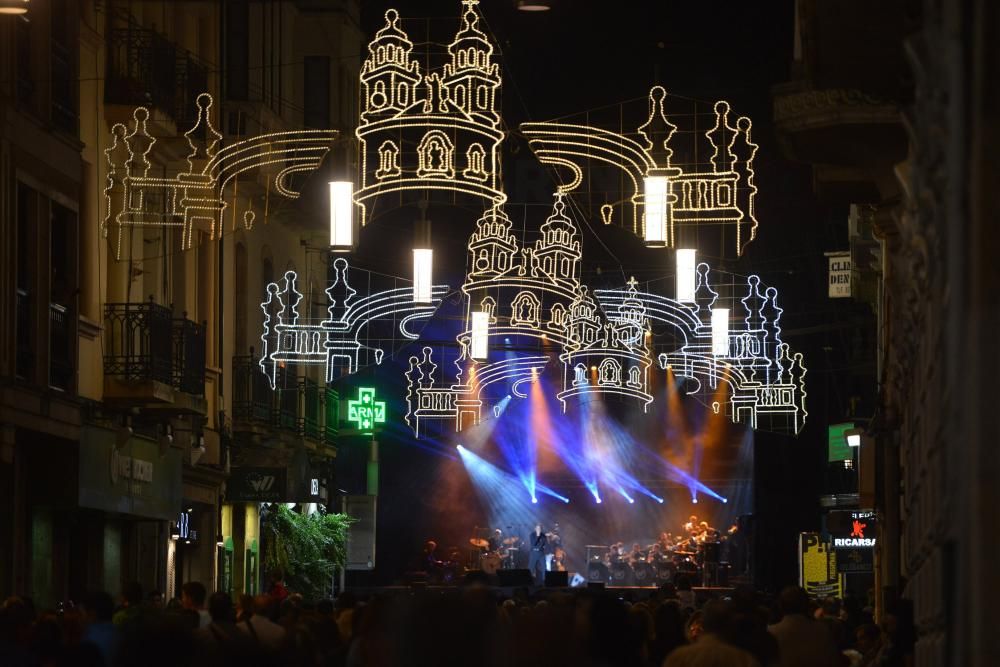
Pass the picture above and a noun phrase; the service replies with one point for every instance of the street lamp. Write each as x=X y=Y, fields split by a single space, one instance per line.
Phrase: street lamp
x=341 y=216
x=13 y=6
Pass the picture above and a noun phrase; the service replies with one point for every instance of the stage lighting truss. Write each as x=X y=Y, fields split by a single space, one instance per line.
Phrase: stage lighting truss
x=436 y=130
x=194 y=199
x=722 y=195
x=355 y=332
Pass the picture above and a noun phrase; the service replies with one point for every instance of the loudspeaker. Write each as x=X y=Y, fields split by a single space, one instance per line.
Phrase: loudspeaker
x=476 y=577
x=515 y=577
x=556 y=579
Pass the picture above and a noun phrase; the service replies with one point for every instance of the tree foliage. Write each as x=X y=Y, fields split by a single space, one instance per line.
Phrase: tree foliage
x=306 y=548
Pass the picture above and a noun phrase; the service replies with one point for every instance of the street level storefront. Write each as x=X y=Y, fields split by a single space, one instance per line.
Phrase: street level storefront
x=98 y=513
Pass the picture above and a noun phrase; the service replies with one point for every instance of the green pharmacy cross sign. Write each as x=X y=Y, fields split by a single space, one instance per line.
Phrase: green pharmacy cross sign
x=364 y=412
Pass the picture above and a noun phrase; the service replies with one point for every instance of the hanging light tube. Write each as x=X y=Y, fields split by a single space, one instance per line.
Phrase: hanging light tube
x=479 y=340
x=686 y=263
x=341 y=216
x=657 y=211
x=423 y=267
x=720 y=332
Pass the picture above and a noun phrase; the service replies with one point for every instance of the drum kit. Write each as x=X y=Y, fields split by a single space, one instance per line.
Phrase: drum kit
x=491 y=560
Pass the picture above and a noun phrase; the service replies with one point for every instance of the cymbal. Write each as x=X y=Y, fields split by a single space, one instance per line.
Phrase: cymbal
x=685 y=553
x=512 y=540
x=476 y=542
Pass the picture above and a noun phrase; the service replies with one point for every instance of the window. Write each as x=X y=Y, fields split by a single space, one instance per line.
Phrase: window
x=436 y=155
x=475 y=163
x=579 y=374
x=27 y=213
x=237 y=38
x=316 y=89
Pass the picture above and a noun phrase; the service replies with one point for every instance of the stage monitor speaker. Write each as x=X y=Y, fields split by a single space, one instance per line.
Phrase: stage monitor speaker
x=476 y=577
x=556 y=579
x=515 y=577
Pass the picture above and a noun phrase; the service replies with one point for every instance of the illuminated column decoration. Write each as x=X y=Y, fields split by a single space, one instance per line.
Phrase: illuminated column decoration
x=721 y=194
x=352 y=335
x=433 y=127
x=341 y=216
x=686 y=275
x=479 y=341
x=192 y=200
x=656 y=191
x=720 y=332
x=423 y=263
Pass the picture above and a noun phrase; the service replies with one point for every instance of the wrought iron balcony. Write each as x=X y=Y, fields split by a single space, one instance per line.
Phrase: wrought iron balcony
x=145 y=343
x=146 y=68
x=295 y=406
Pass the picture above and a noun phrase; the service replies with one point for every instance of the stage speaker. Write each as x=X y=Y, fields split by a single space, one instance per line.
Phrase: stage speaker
x=515 y=577
x=476 y=577
x=556 y=579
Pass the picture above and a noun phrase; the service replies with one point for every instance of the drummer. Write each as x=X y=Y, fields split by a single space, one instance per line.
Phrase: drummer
x=496 y=540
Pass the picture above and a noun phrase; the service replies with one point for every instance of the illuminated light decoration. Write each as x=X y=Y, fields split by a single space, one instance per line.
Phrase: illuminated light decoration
x=479 y=343
x=435 y=130
x=607 y=213
x=193 y=199
x=657 y=210
x=364 y=411
x=423 y=266
x=724 y=194
x=340 y=341
x=341 y=216
x=766 y=380
x=613 y=345
x=720 y=332
x=686 y=274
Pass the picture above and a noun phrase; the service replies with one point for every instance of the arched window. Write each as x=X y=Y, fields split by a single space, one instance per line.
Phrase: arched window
x=525 y=308
x=634 y=377
x=482 y=260
x=475 y=159
x=483 y=97
x=388 y=160
x=609 y=372
x=436 y=155
x=402 y=95
x=579 y=374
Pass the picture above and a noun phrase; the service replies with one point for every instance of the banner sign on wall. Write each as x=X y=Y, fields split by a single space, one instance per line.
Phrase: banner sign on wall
x=840 y=274
x=263 y=485
x=818 y=573
x=853 y=536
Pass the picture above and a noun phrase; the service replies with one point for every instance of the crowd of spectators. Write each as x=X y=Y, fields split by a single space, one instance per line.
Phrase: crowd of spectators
x=472 y=625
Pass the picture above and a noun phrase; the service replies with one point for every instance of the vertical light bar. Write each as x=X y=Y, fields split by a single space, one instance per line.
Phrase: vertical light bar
x=720 y=332
x=480 y=341
x=423 y=267
x=341 y=216
x=686 y=263
x=655 y=198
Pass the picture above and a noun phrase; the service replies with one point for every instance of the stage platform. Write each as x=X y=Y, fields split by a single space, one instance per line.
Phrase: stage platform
x=633 y=593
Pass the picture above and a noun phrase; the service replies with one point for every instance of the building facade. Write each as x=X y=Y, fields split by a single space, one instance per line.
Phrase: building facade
x=132 y=279
x=893 y=105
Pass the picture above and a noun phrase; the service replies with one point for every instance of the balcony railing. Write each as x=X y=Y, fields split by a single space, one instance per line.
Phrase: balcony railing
x=146 y=68
x=295 y=405
x=144 y=342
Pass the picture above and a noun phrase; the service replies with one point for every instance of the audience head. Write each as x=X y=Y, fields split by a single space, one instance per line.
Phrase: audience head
x=193 y=595
x=132 y=594
x=220 y=607
x=794 y=600
x=98 y=606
